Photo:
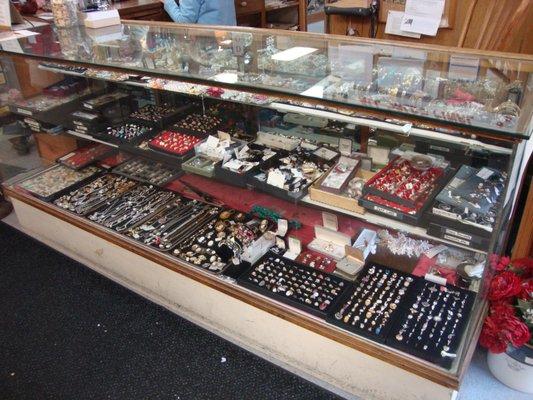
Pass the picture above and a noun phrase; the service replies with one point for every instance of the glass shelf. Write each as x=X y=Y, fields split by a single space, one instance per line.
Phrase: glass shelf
x=480 y=91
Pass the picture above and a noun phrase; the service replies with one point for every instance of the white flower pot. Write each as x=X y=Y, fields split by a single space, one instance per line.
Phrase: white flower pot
x=513 y=368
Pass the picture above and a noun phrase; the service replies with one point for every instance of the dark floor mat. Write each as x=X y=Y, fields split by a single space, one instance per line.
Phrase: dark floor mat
x=68 y=333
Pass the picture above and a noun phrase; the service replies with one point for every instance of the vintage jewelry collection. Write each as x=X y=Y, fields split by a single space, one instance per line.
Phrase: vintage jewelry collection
x=137 y=192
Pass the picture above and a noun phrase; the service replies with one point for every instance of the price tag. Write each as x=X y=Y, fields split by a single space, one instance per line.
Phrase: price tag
x=407 y=128
x=212 y=141
x=238 y=45
x=276 y=178
x=224 y=136
x=345 y=146
x=485 y=173
x=283 y=227
x=330 y=221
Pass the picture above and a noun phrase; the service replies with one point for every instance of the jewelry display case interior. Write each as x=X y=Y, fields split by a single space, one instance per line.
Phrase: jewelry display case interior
x=356 y=187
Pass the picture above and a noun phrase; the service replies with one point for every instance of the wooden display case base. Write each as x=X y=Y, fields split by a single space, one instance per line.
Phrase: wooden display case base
x=229 y=311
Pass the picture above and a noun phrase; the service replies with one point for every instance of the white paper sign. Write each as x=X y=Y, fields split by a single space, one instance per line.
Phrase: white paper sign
x=330 y=221
x=393 y=26
x=5 y=14
x=422 y=16
x=276 y=178
x=283 y=227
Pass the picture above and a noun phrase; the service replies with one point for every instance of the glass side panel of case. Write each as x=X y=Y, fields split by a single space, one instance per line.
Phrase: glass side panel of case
x=482 y=91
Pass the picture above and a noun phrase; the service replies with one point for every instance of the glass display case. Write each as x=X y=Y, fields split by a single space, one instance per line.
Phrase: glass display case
x=355 y=188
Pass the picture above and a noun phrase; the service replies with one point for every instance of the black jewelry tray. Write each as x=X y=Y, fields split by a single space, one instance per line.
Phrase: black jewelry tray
x=457 y=225
x=164 y=121
x=63 y=191
x=432 y=354
x=102 y=135
x=439 y=183
x=443 y=231
x=118 y=170
x=380 y=337
x=243 y=281
x=94 y=208
x=243 y=180
x=61 y=160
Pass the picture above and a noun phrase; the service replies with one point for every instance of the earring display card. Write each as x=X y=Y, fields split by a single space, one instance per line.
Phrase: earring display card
x=132 y=207
x=148 y=171
x=95 y=194
x=55 y=181
x=469 y=202
x=85 y=156
x=300 y=286
x=433 y=324
x=374 y=303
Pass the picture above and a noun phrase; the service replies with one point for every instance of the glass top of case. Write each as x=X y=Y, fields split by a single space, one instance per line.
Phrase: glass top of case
x=485 y=91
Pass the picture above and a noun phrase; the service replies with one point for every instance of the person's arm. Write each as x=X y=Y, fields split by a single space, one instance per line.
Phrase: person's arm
x=187 y=12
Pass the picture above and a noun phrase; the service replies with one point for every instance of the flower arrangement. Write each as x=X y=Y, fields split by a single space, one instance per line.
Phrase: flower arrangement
x=510 y=318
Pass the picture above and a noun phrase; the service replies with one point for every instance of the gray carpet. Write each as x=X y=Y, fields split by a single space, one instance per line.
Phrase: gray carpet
x=69 y=333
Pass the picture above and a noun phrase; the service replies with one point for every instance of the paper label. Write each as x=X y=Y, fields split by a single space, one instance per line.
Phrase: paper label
x=224 y=136
x=458 y=234
x=295 y=245
x=393 y=25
x=463 y=68
x=422 y=16
x=212 y=141
x=385 y=211
x=485 y=173
x=447 y=214
x=5 y=14
x=436 y=279
x=345 y=146
x=23 y=111
x=456 y=240
x=439 y=148
x=276 y=178
x=407 y=128
x=330 y=221
x=283 y=227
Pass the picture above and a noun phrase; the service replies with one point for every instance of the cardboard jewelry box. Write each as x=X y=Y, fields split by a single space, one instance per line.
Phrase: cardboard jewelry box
x=317 y=193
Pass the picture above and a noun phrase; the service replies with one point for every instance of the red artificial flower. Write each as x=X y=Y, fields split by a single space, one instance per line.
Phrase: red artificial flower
x=526 y=290
x=504 y=285
x=525 y=266
x=499 y=331
x=501 y=308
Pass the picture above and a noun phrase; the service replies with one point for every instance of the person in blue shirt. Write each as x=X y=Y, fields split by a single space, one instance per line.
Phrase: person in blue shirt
x=205 y=12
